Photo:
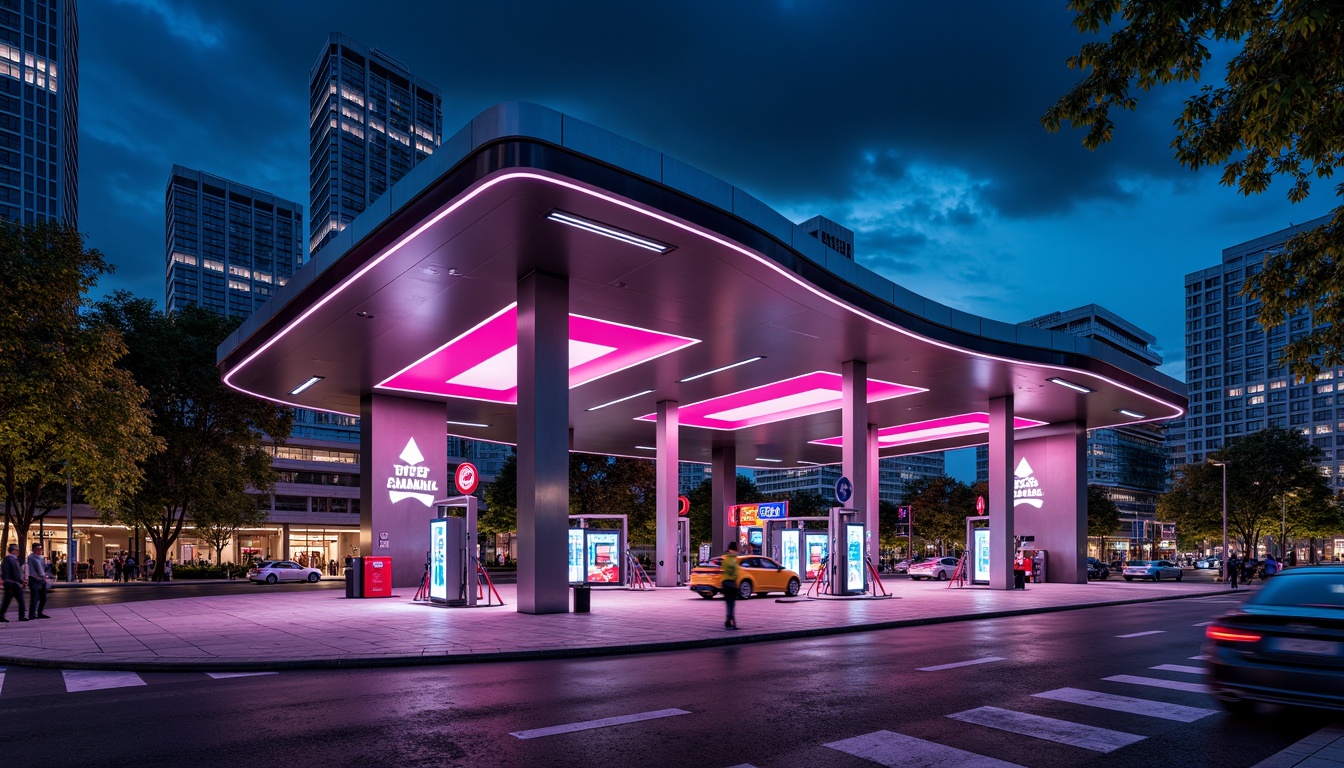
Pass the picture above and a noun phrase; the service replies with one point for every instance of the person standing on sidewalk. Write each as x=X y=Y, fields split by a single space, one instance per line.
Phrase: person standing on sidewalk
x=729 y=570
x=1233 y=568
x=11 y=571
x=37 y=584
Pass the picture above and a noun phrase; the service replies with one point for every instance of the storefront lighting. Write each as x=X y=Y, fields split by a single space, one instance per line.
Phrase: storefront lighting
x=622 y=399
x=310 y=382
x=718 y=370
x=1129 y=413
x=589 y=225
x=468 y=424
x=1071 y=385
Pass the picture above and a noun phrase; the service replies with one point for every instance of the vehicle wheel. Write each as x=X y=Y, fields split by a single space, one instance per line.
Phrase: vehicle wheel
x=942 y=576
x=1180 y=576
x=1104 y=575
x=792 y=589
x=706 y=595
x=744 y=590
x=270 y=578
x=1129 y=578
x=312 y=578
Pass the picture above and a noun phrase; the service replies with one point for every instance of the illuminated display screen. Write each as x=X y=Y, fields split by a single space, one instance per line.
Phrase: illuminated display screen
x=604 y=557
x=816 y=545
x=754 y=537
x=438 y=560
x=789 y=543
x=576 y=556
x=981 y=571
x=854 y=557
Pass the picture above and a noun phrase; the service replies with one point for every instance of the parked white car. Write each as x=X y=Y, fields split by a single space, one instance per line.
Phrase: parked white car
x=939 y=568
x=273 y=571
x=1156 y=570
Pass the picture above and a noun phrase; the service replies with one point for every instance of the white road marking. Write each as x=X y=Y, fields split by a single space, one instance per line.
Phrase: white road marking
x=2 y=678
x=97 y=680
x=1180 y=668
x=896 y=749
x=1110 y=701
x=604 y=722
x=227 y=675
x=1200 y=657
x=1141 y=634
x=1153 y=682
x=1301 y=753
x=1048 y=728
x=954 y=665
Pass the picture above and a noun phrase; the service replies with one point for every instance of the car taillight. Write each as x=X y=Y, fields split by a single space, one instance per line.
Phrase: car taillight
x=1229 y=635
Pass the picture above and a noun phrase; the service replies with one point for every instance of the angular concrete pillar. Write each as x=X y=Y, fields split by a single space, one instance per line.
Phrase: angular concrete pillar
x=543 y=444
x=1050 y=475
x=723 y=494
x=1001 y=529
x=873 y=546
x=666 y=484
x=854 y=462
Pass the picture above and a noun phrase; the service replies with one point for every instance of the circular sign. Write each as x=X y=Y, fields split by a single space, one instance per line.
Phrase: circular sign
x=466 y=477
x=979 y=505
x=683 y=506
x=843 y=489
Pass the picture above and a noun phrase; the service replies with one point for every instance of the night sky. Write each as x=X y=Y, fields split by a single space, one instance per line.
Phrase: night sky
x=914 y=124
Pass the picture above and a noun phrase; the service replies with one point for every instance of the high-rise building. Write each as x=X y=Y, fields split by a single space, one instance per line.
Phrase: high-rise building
x=228 y=245
x=371 y=122
x=893 y=474
x=39 y=105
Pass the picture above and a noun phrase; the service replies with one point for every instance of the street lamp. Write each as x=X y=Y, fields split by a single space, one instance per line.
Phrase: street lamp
x=1223 y=464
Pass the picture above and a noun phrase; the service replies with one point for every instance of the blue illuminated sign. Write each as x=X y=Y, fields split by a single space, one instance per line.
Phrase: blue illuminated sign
x=772 y=510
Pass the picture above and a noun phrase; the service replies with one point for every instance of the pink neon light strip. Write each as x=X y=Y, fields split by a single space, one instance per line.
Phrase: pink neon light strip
x=815 y=392
x=935 y=429
x=476 y=365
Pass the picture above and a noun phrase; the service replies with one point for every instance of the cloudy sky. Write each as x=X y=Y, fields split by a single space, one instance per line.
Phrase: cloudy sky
x=915 y=124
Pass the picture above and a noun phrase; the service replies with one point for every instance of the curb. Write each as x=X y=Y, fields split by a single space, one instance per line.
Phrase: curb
x=273 y=665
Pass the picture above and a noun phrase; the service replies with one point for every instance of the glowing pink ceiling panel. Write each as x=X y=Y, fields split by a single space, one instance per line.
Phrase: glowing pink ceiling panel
x=482 y=364
x=788 y=399
x=935 y=429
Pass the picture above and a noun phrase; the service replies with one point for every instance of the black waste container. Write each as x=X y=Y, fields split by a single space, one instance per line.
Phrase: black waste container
x=583 y=598
x=354 y=577
x=1019 y=579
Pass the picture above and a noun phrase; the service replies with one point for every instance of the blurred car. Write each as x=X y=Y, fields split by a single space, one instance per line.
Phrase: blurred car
x=1097 y=569
x=1284 y=645
x=272 y=571
x=1156 y=570
x=757 y=575
x=1209 y=563
x=904 y=565
x=939 y=568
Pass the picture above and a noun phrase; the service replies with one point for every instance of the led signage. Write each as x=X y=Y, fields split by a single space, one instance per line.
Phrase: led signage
x=576 y=569
x=1026 y=488
x=409 y=480
x=854 y=557
x=980 y=569
x=789 y=549
x=438 y=560
x=604 y=556
x=816 y=546
x=772 y=510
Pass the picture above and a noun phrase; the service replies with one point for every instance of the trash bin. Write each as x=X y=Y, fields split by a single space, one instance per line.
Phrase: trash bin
x=583 y=598
x=354 y=577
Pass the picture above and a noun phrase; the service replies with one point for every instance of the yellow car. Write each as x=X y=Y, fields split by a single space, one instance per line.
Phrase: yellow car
x=757 y=574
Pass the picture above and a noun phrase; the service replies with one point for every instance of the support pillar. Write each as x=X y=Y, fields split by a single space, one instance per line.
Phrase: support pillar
x=723 y=494
x=1001 y=530
x=666 y=485
x=854 y=462
x=543 y=443
x=873 y=546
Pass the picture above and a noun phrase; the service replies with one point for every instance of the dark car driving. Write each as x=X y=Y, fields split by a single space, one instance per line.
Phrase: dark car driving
x=1097 y=569
x=1285 y=645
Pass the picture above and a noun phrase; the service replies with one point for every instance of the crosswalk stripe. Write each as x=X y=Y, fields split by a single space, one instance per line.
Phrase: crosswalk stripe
x=1180 y=668
x=896 y=749
x=955 y=664
x=1113 y=703
x=604 y=722
x=227 y=675
x=1048 y=728
x=1142 y=634
x=1154 y=682
x=97 y=680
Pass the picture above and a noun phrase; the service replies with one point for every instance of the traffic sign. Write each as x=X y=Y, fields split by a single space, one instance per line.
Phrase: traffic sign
x=466 y=478
x=844 y=489
x=683 y=506
x=979 y=505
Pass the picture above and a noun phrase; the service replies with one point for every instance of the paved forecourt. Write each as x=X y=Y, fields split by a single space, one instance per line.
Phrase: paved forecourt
x=307 y=628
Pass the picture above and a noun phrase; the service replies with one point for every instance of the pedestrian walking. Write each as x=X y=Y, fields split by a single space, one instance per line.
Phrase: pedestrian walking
x=37 y=584
x=729 y=570
x=116 y=568
x=11 y=572
x=1233 y=568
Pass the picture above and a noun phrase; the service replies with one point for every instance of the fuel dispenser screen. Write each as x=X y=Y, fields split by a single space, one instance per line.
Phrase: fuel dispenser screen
x=438 y=560
x=788 y=549
x=816 y=545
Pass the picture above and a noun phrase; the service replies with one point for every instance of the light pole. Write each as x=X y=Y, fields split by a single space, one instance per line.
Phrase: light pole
x=1223 y=464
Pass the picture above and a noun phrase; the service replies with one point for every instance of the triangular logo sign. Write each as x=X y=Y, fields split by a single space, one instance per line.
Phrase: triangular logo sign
x=1023 y=469
x=411 y=453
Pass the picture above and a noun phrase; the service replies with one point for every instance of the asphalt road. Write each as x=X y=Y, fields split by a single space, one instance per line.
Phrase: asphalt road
x=771 y=705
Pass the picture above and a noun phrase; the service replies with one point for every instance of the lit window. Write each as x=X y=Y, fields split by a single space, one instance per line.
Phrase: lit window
x=282 y=280
x=1255 y=400
x=261 y=277
x=377 y=125
x=217 y=266
x=1235 y=392
x=353 y=114
x=239 y=271
x=239 y=285
x=184 y=258
x=353 y=130
x=1278 y=384
x=1324 y=429
x=352 y=95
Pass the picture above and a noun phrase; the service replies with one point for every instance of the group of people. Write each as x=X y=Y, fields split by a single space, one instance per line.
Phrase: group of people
x=17 y=576
x=1245 y=568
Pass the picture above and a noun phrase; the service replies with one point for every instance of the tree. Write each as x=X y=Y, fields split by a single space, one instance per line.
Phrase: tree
x=218 y=519
x=702 y=505
x=939 y=507
x=1103 y=517
x=605 y=485
x=500 y=514
x=1263 y=468
x=213 y=436
x=66 y=410
x=1279 y=112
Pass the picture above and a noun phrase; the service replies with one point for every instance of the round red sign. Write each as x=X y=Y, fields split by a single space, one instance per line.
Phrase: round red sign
x=466 y=477
x=979 y=505
x=683 y=506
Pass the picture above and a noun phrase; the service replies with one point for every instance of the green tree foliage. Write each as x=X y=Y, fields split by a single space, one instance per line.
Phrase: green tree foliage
x=1263 y=468
x=213 y=436
x=1103 y=517
x=500 y=514
x=702 y=504
x=604 y=485
x=939 y=508
x=64 y=405
x=219 y=518
x=1278 y=112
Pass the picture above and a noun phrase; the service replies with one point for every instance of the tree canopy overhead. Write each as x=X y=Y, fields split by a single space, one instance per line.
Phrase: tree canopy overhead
x=1277 y=113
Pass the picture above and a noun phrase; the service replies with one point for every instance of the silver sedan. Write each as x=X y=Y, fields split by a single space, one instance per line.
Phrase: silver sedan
x=1152 y=569
x=273 y=571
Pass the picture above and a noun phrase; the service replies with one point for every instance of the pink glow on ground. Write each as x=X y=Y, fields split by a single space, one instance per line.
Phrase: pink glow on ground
x=935 y=429
x=477 y=364
x=804 y=395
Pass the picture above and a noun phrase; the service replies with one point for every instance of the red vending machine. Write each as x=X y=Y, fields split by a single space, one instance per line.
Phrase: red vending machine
x=377 y=577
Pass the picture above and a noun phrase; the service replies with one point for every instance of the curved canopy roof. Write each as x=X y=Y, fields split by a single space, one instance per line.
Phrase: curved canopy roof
x=672 y=273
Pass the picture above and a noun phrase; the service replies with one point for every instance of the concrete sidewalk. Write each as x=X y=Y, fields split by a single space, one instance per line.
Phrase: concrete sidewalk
x=320 y=628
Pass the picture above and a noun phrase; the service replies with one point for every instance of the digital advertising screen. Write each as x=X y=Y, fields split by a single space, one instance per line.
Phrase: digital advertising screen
x=854 y=557
x=604 y=557
x=755 y=536
x=576 y=556
x=438 y=560
x=790 y=541
x=980 y=569
x=816 y=546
